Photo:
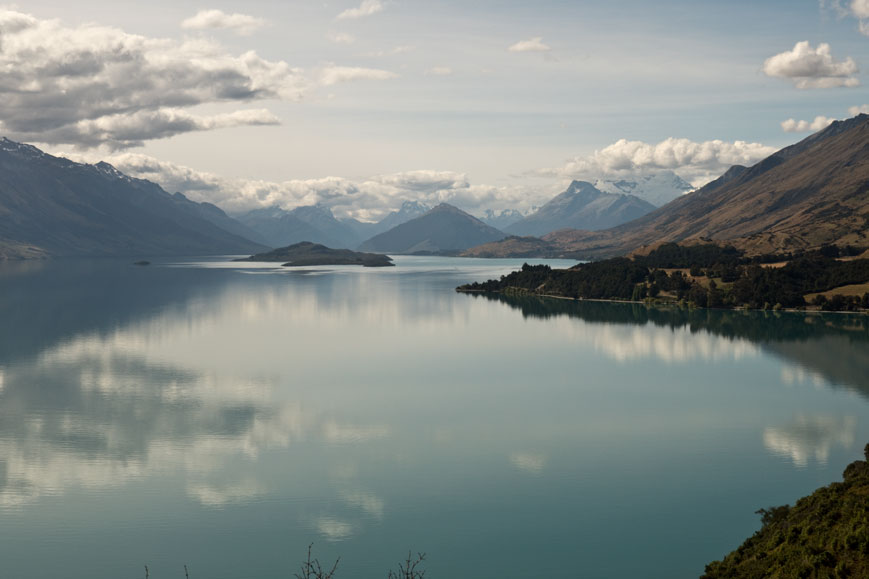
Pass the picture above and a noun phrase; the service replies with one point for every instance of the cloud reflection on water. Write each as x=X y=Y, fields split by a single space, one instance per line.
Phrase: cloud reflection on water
x=810 y=437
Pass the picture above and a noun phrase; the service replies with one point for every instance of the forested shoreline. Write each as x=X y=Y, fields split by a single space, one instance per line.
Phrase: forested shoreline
x=706 y=276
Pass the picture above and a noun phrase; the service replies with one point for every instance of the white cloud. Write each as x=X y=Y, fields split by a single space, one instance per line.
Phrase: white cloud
x=219 y=20
x=122 y=131
x=341 y=38
x=336 y=74
x=531 y=45
x=794 y=126
x=71 y=84
x=809 y=67
x=366 y=199
x=695 y=162
x=425 y=181
x=860 y=8
x=367 y=8
x=862 y=109
x=440 y=71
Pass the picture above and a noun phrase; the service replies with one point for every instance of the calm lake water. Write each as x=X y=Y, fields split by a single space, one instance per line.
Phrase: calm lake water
x=224 y=416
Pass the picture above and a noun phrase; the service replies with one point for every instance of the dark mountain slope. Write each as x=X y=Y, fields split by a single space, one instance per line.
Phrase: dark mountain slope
x=806 y=195
x=442 y=229
x=73 y=209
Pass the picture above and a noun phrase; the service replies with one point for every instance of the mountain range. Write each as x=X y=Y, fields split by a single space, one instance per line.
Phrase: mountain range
x=806 y=195
x=812 y=193
x=581 y=206
x=53 y=206
x=315 y=223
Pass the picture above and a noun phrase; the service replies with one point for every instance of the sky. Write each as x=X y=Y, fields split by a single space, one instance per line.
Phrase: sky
x=360 y=105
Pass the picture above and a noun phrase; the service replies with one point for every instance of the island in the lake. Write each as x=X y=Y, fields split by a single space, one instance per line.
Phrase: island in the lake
x=825 y=534
x=307 y=253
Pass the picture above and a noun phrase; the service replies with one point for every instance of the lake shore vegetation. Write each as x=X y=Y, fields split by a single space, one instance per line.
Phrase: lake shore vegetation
x=705 y=275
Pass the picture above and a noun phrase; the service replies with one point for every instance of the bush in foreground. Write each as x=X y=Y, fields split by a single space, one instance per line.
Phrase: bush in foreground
x=824 y=535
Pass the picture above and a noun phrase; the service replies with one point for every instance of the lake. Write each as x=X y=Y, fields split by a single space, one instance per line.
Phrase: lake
x=225 y=416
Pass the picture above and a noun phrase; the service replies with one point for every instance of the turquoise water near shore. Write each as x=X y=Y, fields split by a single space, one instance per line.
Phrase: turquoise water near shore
x=225 y=415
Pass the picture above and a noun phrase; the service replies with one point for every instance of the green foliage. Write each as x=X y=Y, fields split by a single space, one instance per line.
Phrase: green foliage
x=750 y=285
x=825 y=535
x=673 y=255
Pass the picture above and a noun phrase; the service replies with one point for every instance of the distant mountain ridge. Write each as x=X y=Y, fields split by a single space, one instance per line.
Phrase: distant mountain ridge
x=812 y=193
x=804 y=196
x=53 y=206
x=501 y=219
x=581 y=206
x=442 y=229
x=316 y=223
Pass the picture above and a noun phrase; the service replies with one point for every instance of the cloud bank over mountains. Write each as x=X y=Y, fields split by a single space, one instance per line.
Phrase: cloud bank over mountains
x=696 y=162
x=366 y=199
x=373 y=197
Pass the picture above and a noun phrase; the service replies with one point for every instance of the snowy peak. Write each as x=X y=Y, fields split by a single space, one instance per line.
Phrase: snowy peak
x=110 y=171
x=10 y=146
x=501 y=219
x=658 y=188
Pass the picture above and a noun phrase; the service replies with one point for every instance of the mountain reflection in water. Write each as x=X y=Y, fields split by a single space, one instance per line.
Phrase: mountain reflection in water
x=830 y=346
x=218 y=415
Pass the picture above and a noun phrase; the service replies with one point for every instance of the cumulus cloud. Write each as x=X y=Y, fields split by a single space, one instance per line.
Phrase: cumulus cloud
x=531 y=45
x=335 y=74
x=122 y=131
x=862 y=109
x=367 y=8
x=695 y=162
x=73 y=85
x=809 y=67
x=219 y=20
x=440 y=71
x=795 y=126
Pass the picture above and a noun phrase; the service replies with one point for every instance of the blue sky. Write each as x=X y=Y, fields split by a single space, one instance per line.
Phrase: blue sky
x=360 y=104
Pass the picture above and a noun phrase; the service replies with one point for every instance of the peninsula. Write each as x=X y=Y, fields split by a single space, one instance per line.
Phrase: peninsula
x=307 y=253
x=705 y=275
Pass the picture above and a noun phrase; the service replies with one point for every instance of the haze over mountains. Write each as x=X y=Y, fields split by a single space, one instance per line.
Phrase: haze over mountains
x=811 y=193
x=581 y=206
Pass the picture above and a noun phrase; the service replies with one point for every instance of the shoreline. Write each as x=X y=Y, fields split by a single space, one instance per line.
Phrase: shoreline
x=664 y=303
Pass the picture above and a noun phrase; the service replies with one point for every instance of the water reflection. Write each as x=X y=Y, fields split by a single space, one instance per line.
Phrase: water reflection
x=810 y=437
x=378 y=409
x=828 y=347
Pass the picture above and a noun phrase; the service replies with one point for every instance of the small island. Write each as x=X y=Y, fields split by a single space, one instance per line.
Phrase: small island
x=307 y=253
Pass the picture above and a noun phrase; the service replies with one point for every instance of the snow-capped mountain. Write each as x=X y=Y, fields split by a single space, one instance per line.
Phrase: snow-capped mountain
x=658 y=189
x=501 y=219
